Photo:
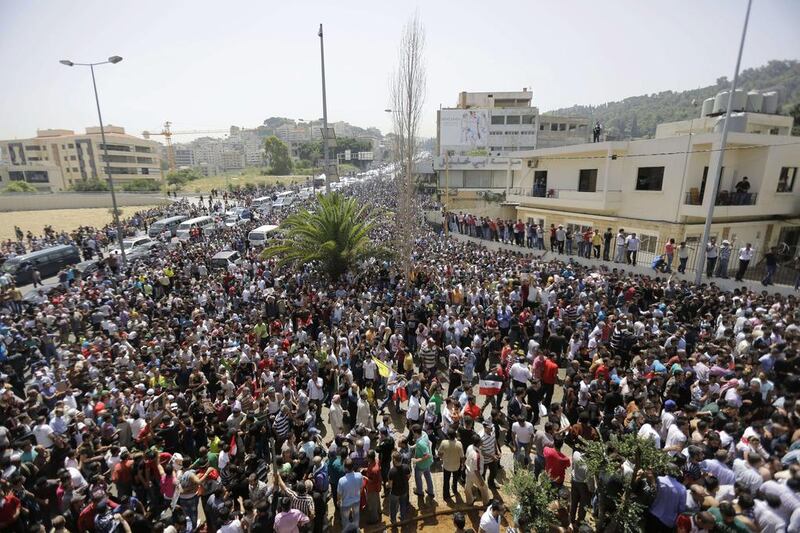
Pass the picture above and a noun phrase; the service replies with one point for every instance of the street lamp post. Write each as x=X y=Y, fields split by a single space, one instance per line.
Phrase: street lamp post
x=716 y=157
x=111 y=60
x=324 y=113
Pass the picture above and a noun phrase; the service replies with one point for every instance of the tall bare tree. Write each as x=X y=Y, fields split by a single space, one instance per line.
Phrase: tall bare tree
x=407 y=89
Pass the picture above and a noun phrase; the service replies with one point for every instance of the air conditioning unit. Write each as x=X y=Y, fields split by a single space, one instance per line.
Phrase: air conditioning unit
x=533 y=163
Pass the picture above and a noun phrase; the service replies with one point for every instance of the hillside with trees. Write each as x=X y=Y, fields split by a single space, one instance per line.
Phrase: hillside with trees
x=638 y=116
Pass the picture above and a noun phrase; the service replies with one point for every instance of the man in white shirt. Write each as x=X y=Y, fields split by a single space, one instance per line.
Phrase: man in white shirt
x=650 y=431
x=43 y=433
x=747 y=471
x=520 y=374
x=490 y=521
x=632 y=247
x=677 y=435
x=767 y=515
x=474 y=477
x=745 y=256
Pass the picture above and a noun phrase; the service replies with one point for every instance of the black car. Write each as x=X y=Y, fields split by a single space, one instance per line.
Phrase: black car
x=48 y=262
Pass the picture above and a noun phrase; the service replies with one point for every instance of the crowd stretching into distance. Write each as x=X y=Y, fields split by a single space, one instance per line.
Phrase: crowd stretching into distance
x=173 y=396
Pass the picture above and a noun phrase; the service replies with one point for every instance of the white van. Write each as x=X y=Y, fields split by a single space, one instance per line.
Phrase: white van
x=285 y=199
x=206 y=223
x=258 y=237
x=261 y=200
x=305 y=194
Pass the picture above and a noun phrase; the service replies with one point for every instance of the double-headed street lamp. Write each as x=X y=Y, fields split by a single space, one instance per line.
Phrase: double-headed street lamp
x=111 y=60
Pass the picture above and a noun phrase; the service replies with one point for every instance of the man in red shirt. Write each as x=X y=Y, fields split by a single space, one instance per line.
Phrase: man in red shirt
x=555 y=462
x=374 y=483
x=10 y=510
x=549 y=379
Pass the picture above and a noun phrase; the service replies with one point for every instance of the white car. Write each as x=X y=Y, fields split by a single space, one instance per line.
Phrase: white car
x=234 y=220
x=132 y=243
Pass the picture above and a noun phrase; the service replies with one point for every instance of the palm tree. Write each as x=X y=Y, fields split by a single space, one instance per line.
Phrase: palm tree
x=335 y=236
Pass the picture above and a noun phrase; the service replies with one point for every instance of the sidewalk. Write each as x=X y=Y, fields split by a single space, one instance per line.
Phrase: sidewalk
x=728 y=284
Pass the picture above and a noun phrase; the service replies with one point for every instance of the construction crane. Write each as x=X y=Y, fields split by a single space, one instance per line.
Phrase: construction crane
x=167 y=133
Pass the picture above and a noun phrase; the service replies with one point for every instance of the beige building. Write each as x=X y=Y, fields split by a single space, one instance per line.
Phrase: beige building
x=658 y=187
x=478 y=141
x=56 y=159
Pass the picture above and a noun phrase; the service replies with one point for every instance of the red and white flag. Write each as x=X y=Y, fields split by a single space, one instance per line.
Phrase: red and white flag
x=233 y=448
x=490 y=385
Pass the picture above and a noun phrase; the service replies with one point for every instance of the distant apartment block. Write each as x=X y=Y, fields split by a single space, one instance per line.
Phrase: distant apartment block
x=477 y=141
x=57 y=158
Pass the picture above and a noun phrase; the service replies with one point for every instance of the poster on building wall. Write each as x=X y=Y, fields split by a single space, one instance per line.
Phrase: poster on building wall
x=464 y=128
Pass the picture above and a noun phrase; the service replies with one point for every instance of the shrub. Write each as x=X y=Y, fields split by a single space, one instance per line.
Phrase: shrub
x=19 y=186
x=90 y=185
x=141 y=184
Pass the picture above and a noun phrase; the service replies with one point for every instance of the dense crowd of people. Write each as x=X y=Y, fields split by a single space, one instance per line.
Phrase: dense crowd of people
x=624 y=246
x=173 y=396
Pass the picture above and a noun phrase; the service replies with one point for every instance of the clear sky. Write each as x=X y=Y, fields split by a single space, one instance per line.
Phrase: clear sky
x=212 y=63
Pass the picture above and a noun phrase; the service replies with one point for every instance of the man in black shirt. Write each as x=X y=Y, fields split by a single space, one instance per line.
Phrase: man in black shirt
x=607 y=236
x=398 y=488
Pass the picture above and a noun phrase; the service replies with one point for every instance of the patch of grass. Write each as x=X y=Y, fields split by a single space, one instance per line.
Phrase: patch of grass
x=242 y=177
x=61 y=219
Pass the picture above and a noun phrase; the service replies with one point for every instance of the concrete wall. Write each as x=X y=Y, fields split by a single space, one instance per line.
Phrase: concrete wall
x=75 y=200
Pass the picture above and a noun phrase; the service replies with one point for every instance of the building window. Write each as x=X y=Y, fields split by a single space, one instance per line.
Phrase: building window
x=786 y=179
x=33 y=147
x=498 y=119
x=543 y=126
x=512 y=119
x=774 y=131
x=553 y=127
x=572 y=127
x=70 y=145
x=587 y=180
x=648 y=243
x=529 y=119
x=562 y=127
x=649 y=178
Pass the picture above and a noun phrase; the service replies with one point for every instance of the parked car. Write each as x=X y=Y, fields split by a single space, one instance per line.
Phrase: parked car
x=225 y=258
x=131 y=244
x=48 y=261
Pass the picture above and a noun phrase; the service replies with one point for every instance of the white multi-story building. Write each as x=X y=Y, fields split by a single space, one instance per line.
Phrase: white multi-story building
x=658 y=187
x=56 y=159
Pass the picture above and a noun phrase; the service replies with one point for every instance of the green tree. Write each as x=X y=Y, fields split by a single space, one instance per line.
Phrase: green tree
x=533 y=496
x=335 y=236
x=621 y=511
x=794 y=112
x=277 y=153
x=19 y=186
x=179 y=178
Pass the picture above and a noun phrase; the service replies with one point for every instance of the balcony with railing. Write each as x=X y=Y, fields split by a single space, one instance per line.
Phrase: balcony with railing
x=553 y=198
x=730 y=205
x=723 y=198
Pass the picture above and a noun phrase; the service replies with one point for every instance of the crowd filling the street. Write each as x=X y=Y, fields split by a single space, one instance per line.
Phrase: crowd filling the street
x=174 y=393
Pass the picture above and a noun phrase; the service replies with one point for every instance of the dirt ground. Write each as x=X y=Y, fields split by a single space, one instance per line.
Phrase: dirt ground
x=60 y=219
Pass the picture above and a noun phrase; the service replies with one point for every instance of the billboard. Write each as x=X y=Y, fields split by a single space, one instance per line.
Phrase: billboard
x=463 y=129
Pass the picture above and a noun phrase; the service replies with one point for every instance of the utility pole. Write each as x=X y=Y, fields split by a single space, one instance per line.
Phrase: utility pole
x=446 y=193
x=324 y=115
x=717 y=157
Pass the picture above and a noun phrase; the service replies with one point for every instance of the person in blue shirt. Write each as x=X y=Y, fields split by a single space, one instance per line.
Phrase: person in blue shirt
x=349 y=494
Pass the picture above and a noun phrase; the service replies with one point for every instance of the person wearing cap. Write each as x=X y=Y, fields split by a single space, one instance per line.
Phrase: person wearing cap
x=723 y=259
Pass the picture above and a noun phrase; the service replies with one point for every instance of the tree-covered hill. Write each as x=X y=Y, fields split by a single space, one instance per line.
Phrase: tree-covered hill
x=638 y=116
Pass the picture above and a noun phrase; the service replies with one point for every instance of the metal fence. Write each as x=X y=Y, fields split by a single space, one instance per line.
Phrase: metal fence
x=724 y=198
x=651 y=248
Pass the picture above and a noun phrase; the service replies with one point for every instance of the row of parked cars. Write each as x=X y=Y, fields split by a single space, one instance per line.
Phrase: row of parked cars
x=50 y=261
